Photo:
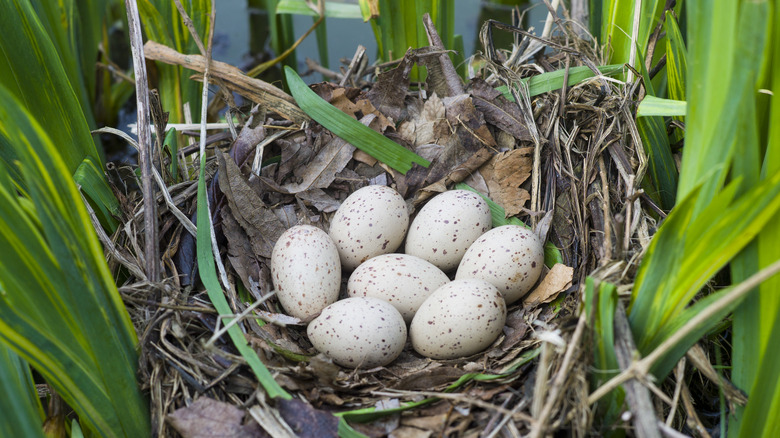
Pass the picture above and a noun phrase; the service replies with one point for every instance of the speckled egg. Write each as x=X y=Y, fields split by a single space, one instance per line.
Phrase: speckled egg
x=305 y=271
x=459 y=319
x=446 y=226
x=509 y=257
x=359 y=332
x=402 y=280
x=371 y=221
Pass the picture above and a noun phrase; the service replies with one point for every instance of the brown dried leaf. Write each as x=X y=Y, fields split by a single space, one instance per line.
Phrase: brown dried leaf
x=297 y=150
x=473 y=132
x=498 y=111
x=455 y=175
x=251 y=134
x=240 y=253
x=442 y=77
x=516 y=328
x=306 y=421
x=207 y=418
x=556 y=281
x=258 y=221
x=322 y=169
x=318 y=199
x=389 y=91
x=429 y=378
x=427 y=123
x=504 y=174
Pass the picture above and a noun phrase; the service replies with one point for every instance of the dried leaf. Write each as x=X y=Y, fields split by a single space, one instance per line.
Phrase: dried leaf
x=455 y=175
x=306 y=421
x=504 y=174
x=322 y=169
x=257 y=220
x=556 y=281
x=318 y=199
x=442 y=77
x=251 y=134
x=240 y=253
x=429 y=378
x=389 y=91
x=207 y=418
x=498 y=111
x=427 y=123
x=297 y=150
x=474 y=133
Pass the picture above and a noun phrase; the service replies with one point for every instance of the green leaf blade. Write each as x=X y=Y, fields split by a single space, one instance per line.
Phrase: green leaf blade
x=354 y=132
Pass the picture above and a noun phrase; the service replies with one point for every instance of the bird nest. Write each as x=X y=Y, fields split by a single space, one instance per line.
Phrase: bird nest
x=566 y=160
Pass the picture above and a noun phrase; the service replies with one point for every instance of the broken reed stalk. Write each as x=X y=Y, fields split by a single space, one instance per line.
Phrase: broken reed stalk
x=637 y=395
x=151 y=242
x=642 y=367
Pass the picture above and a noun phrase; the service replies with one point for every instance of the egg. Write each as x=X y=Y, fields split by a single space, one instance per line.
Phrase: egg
x=360 y=332
x=459 y=319
x=446 y=226
x=371 y=221
x=305 y=271
x=509 y=257
x=402 y=280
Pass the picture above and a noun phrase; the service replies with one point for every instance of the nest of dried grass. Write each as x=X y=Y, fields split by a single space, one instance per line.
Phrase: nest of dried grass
x=568 y=162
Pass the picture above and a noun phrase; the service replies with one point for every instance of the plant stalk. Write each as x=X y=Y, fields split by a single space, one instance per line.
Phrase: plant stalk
x=151 y=244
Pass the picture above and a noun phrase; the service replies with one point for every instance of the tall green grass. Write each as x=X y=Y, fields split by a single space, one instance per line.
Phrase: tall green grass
x=726 y=211
x=60 y=310
x=40 y=55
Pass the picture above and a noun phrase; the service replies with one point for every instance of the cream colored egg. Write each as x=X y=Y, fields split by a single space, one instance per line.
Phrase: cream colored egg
x=446 y=226
x=305 y=271
x=371 y=221
x=509 y=257
x=402 y=280
x=459 y=319
x=359 y=332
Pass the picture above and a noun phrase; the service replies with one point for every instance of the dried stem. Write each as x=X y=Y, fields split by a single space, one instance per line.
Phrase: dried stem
x=151 y=242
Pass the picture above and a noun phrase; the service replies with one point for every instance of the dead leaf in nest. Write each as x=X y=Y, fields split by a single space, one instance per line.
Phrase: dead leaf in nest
x=297 y=150
x=461 y=111
x=498 y=111
x=504 y=174
x=207 y=418
x=429 y=378
x=517 y=327
x=426 y=123
x=389 y=91
x=556 y=281
x=251 y=134
x=306 y=421
x=258 y=221
x=241 y=255
x=318 y=199
x=320 y=172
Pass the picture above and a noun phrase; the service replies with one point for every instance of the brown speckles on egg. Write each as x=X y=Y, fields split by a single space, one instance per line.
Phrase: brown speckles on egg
x=403 y=280
x=305 y=270
x=375 y=215
x=369 y=332
x=509 y=257
x=459 y=319
x=446 y=226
